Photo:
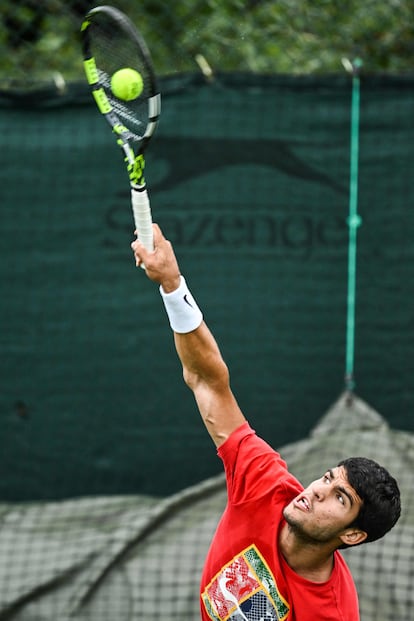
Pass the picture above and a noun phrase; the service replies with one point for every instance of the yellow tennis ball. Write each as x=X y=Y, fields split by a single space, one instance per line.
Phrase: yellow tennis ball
x=127 y=84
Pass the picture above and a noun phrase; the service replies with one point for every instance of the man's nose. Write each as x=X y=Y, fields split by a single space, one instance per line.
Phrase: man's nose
x=318 y=491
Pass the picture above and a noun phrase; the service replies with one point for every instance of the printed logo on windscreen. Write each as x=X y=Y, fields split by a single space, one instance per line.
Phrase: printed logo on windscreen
x=245 y=590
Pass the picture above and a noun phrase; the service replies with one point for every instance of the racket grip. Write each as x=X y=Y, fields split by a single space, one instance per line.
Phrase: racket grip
x=142 y=216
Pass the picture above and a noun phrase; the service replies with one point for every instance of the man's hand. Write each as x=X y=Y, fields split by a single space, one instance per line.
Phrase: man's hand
x=161 y=264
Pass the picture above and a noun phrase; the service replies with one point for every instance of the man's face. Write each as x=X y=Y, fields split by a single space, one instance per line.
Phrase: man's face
x=324 y=509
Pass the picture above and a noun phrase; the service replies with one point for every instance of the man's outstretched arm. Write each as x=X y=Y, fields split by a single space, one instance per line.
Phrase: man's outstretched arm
x=204 y=369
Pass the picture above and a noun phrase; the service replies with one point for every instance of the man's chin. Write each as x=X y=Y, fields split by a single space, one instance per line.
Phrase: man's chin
x=289 y=514
x=295 y=523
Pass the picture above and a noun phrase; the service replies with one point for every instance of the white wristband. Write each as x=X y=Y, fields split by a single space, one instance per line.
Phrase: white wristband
x=182 y=309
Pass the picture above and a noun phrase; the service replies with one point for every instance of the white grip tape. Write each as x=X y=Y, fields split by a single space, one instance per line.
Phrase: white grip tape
x=182 y=309
x=142 y=217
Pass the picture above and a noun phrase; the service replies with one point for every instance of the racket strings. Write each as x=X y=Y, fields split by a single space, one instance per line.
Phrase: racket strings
x=113 y=49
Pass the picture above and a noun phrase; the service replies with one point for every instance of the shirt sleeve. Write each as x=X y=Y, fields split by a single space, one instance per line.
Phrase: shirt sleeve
x=253 y=468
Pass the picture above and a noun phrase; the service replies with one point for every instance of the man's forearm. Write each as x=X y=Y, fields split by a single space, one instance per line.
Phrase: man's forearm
x=204 y=369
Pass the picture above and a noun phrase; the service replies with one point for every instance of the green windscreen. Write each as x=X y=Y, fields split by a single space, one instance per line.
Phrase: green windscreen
x=249 y=178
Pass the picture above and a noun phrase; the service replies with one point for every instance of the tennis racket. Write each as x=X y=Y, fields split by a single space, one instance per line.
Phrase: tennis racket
x=111 y=44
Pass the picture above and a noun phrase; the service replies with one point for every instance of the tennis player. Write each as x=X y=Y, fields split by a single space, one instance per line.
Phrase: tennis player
x=275 y=554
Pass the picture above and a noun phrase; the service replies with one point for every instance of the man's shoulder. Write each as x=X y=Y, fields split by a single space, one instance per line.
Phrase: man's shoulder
x=254 y=467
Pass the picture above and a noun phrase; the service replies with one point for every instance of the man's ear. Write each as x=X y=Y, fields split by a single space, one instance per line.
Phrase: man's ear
x=353 y=536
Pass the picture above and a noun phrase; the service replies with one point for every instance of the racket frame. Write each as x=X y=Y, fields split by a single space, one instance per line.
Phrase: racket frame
x=132 y=144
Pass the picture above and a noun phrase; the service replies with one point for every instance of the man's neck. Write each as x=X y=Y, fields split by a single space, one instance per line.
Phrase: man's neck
x=312 y=562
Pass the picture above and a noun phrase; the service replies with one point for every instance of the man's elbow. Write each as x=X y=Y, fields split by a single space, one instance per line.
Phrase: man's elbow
x=216 y=377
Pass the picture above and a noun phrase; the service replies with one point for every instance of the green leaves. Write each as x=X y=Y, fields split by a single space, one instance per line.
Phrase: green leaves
x=265 y=36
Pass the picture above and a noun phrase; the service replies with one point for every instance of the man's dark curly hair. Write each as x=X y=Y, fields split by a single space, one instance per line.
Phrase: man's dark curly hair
x=380 y=495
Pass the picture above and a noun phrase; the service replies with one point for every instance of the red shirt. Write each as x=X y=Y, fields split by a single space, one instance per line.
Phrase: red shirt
x=245 y=578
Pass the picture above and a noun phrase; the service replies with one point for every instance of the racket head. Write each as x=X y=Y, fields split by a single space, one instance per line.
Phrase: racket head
x=110 y=42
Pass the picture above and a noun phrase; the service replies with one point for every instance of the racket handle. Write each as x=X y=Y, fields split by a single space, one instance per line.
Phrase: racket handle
x=142 y=216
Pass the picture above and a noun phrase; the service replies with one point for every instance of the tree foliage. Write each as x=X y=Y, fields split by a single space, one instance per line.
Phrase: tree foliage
x=39 y=38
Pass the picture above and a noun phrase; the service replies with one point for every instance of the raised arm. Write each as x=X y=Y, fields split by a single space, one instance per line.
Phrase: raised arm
x=204 y=369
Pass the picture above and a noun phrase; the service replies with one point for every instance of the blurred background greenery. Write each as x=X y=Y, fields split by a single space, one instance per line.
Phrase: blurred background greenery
x=39 y=38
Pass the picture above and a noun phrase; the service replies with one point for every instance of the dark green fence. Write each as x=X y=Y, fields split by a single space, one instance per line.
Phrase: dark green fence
x=249 y=178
